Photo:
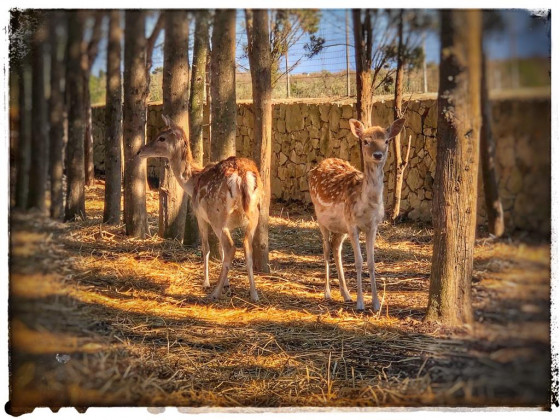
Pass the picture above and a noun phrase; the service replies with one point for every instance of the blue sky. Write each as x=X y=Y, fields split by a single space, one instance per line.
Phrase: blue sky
x=525 y=36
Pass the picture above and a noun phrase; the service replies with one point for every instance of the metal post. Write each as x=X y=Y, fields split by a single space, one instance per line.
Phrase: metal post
x=347 y=57
x=287 y=77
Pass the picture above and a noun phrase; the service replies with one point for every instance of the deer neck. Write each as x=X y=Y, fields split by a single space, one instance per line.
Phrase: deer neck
x=372 y=186
x=184 y=171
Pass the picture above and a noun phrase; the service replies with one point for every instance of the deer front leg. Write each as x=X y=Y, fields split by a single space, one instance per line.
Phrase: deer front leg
x=370 y=244
x=326 y=256
x=358 y=261
x=228 y=252
x=338 y=240
x=203 y=229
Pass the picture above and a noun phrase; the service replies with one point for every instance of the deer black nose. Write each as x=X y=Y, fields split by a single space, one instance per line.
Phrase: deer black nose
x=378 y=155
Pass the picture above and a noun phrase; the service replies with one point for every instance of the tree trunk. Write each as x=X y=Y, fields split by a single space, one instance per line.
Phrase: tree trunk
x=113 y=128
x=24 y=135
x=364 y=104
x=260 y=59
x=224 y=108
x=134 y=122
x=196 y=109
x=455 y=182
x=494 y=210
x=39 y=121
x=173 y=201
x=56 y=115
x=399 y=164
x=76 y=66
x=92 y=50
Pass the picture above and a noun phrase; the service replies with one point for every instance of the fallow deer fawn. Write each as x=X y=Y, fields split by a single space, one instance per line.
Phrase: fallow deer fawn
x=348 y=201
x=225 y=195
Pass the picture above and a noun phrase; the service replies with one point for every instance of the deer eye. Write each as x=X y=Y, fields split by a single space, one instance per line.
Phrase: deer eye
x=365 y=142
x=161 y=138
x=386 y=141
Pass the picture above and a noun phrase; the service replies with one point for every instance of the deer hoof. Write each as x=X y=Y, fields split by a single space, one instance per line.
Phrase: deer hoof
x=360 y=306
x=348 y=300
x=376 y=306
x=328 y=295
x=214 y=296
x=254 y=297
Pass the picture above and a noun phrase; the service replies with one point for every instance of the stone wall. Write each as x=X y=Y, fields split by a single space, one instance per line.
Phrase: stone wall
x=304 y=133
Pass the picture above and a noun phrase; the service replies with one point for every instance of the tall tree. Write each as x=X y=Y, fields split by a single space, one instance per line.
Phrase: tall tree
x=455 y=182
x=113 y=117
x=222 y=87
x=260 y=61
x=372 y=46
x=196 y=108
x=173 y=201
x=39 y=121
x=75 y=68
x=92 y=51
x=494 y=209
x=20 y=45
x=410 y=26
x=134 y=122
x=57 y=34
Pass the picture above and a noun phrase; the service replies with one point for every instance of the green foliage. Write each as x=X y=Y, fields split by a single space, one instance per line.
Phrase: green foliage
x=97 y=88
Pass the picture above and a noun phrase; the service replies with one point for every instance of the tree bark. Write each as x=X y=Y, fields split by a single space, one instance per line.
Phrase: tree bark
x=39 y=120
x=134 y=122
x=24 y=134
x=173 y=201
x=113 y=118
x=196 y=109
x=224 y=108
x=400 y=165
x=260 y=60
x=494 y=210
x=364 y=94
x=92 y=51
x=76 y=66
x=455 y=182
x=56 y=115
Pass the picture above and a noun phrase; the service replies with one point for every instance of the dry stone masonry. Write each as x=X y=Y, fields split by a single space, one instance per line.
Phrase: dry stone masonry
x=306 y=132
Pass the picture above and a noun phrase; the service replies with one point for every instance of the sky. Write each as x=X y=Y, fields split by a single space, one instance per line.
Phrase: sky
x=524 y=36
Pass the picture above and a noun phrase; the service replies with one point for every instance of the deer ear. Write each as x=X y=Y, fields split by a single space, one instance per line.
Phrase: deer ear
x=394 y=129
x=166 y=120
x=356 y=127
x=179 y=133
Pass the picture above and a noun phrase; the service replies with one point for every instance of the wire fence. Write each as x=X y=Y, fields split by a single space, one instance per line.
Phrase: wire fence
x=331 y=72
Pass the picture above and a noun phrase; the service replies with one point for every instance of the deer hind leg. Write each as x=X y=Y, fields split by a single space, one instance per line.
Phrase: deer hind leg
x=248 y=248
x=370 y=243
x=228 y=251
x=358 y=261
x=337 y=241
x=203 y=229
x=326 y=255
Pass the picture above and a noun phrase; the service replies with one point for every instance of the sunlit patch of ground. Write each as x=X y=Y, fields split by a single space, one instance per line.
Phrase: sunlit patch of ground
x=101 y=319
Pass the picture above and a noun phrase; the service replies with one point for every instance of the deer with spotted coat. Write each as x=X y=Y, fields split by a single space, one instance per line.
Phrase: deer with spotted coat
x=225 y=195
x=348 y=201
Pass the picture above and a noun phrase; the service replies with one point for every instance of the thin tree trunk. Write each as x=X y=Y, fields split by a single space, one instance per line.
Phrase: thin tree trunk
x=56 y=115
x=224 y=108
x=196 y=109
x=455 y=182
x=222 y=91
x=39 y=120
x=92 y=50
x=173 y=201
x=113 y=118
x=134 y=122
x=364 y=104
x=76 y=66
x=24 y=135
x=494 y=210
x=260 y=59
x=399 y=164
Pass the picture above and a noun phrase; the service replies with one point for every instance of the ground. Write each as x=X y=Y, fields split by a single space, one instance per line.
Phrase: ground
x=97 y=318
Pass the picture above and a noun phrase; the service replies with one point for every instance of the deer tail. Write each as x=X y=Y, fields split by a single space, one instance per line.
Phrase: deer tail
x=248 y=189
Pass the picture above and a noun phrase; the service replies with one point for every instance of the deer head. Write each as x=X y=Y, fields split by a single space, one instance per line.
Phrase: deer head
x=375 y=140
x=171 y=143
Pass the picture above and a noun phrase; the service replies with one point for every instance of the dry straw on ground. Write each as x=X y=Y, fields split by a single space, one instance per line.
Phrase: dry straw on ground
x=101 y=319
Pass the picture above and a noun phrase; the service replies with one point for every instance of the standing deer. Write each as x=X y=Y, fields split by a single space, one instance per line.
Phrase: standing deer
x=225 y=195
x=348 y=201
